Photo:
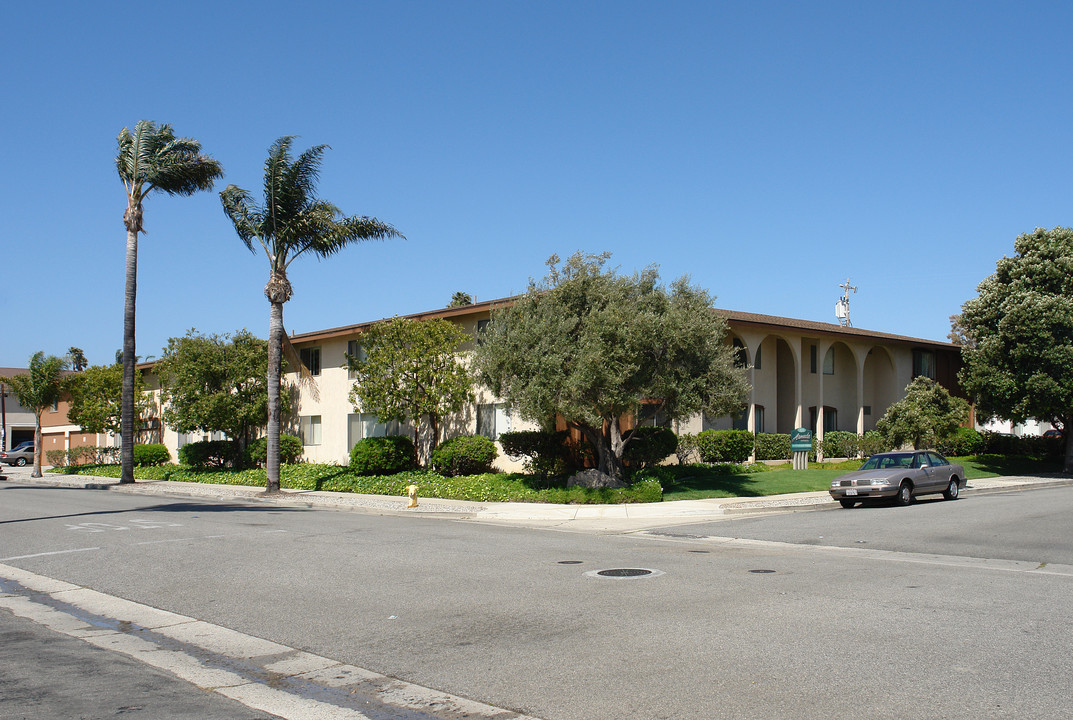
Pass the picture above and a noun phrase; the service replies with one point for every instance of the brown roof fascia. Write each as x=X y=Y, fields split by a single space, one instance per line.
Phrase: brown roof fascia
x=827 y=329
x=478 y=308
x=773 y=322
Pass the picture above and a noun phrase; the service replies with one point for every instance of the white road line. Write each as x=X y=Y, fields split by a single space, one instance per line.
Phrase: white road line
x=299 y=685
x=54 y=552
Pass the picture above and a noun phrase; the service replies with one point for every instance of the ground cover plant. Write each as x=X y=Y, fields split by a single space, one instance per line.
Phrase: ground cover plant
x=487 y=487
x=666 y=482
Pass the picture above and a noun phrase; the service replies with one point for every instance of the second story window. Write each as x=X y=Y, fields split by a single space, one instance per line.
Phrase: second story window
x=310 y=357
x=924 y=363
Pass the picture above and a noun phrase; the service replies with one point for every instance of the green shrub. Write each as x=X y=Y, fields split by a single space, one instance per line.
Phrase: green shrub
x=964 y=441
x=464 y=455
x=840 y=444
x=649 y=446
x=546 y=452
x=687 y=449
x=1030 y=445
x=56 y=458
x=773 y=446
x=290 y=450
x=872 y=442
x=382 y=455
x=732 y=446
x=209 y=454
x=155 y=454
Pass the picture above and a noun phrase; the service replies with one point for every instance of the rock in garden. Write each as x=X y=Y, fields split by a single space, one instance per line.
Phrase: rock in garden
x=593 y=478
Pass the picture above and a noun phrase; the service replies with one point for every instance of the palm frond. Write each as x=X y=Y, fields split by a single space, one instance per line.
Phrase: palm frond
x=244 y=214
x=151 y=157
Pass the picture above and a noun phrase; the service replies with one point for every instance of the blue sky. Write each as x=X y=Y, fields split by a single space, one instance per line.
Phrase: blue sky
x=769 y=150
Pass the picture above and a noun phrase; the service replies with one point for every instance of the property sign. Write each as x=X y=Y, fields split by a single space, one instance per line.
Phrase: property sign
x=801 y=440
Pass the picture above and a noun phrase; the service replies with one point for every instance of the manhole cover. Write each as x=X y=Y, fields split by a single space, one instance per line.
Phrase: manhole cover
x=761 y=572
x=624 y=573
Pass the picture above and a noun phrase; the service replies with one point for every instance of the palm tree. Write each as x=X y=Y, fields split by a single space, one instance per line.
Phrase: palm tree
x=150 y=158
x=291 y=222
x=77 y=358
x=38 y=389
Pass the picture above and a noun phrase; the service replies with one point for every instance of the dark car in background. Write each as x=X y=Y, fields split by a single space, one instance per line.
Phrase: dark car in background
x=20 y=455
x=899 y=475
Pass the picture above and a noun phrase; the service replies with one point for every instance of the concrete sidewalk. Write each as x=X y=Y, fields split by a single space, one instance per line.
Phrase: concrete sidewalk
x=620 y=518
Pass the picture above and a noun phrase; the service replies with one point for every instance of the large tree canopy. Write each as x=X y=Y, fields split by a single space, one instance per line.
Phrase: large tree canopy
x=926 y=415
x=1019 y=354
x=411 y=371
x=96 y=398
x=215 y=383
x=590 y=345
x=38 y=388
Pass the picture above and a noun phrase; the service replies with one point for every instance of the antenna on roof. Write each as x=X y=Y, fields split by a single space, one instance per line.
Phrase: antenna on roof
x=842 y=306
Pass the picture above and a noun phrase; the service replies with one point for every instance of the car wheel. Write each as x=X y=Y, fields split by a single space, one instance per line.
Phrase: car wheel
x=951 y=492
x=905 y=494
x=21 y=462
x=848 y=503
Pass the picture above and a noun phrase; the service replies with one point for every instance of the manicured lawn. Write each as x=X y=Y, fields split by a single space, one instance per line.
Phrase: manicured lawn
x=689 y=482
x=695 y=482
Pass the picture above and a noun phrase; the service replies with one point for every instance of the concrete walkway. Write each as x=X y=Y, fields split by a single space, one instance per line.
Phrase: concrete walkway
x=593 y=518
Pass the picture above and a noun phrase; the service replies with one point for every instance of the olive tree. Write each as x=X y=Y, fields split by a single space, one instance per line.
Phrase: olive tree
x=589 y=345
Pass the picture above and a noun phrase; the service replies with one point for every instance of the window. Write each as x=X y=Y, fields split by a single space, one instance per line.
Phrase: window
x=355 y=350
x=741 y=421
x=492 y=419
x=651 y=414
x=829 y=362
x=830 y=419
x=812 y=358
x=55 y=406
x=867 y=409
x=758 y=419
x=482 y=326
x=924 y=363
x=367 y=425
x=756 y=360
x=310 y=357
x=309 y=429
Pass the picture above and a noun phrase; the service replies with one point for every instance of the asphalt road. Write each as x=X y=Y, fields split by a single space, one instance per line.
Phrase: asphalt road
x=45 y=674
x=969 y=627
x=1033 y=526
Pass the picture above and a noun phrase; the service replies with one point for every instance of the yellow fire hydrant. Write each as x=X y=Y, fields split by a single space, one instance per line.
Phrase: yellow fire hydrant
x=411 y=490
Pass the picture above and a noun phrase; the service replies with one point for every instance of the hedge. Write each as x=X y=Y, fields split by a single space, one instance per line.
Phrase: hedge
x=464 y=455
x=209 y=454
x=382 y=455
x=290 y=450
x=649 y=446
x=154 y=454
x=546 y=452
x=733 y=446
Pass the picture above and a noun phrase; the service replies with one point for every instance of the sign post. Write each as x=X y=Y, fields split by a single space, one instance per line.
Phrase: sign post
x=801 y=446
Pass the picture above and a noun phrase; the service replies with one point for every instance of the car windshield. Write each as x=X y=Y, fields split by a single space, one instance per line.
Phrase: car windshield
x=888 y=460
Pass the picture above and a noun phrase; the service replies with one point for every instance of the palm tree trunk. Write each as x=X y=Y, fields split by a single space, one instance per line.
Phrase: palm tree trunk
x=275 y=355
x=37 y=446
x=126 y=411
